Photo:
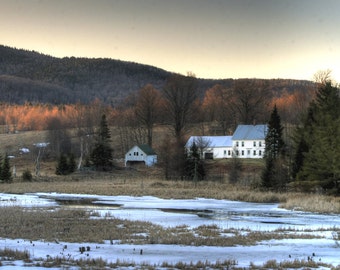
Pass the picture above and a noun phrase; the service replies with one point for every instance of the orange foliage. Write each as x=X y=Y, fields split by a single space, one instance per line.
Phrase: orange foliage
x=37 y=117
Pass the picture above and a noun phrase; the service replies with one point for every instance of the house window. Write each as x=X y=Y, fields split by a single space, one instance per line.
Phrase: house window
x=260 y=143
x=236 y=144
x=242 y=152
x=254 y=153
x=242 y=144
x=229 y=153
x=237 y=152
x=254 y=143
x=224 y=152
x=260 y=153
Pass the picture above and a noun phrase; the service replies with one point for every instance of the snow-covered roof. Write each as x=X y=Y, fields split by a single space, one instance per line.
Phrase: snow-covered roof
x=210 y=141
x=250 y=132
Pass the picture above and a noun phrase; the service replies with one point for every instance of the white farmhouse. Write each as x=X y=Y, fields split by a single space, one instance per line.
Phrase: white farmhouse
x=141 y=154
x=249 y=141
x=212 y=147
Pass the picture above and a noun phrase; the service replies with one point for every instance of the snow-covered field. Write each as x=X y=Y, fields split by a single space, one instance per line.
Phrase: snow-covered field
x=193 y=213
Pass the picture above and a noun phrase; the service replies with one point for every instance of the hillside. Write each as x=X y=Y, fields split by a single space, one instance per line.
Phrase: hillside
x=28 y=76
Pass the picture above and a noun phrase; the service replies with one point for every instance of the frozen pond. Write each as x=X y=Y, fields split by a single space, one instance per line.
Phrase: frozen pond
x=192 y=213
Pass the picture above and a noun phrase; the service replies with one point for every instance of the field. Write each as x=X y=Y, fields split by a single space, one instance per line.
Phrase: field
x=184 y=234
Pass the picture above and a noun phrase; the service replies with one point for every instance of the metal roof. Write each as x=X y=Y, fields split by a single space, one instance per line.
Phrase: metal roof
x=210 y=141
x=147 y=149
x=250 y=132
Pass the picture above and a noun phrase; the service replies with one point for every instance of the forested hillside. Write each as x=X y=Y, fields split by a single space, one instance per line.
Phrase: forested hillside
x=28 y=76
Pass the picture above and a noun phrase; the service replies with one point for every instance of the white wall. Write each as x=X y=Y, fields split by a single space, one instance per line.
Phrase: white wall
x=246 y=149
x=136 y=154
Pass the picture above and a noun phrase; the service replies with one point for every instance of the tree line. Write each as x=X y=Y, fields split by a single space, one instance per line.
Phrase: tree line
x=311 y=162
x=313 y=115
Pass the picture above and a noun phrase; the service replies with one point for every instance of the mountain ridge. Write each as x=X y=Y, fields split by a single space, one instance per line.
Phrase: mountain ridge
x=29 y=76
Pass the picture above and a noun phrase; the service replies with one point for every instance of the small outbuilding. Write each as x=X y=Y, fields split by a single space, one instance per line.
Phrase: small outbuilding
x=141 y=154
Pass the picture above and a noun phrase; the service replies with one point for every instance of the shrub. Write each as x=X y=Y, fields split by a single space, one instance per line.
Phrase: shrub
x=27 y=176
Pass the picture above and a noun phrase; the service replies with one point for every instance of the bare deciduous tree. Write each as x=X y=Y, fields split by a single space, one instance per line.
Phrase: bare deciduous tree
x=249 y=99
x=323 y=76
x=147 y=108
x=180 y=93
x=216 y=105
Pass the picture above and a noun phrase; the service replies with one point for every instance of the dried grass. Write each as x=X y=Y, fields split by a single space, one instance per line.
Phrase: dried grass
x=134 y=185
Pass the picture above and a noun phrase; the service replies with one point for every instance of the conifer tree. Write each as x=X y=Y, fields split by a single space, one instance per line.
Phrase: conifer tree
x=300 y=139
x=62 y=167
x=71 y=163
x=6 y=174
x=320 y=168
x=273 y=175
x=66 y=165
x=1 y=162
x=194 y=167
x=101 y=156
x=274 y=142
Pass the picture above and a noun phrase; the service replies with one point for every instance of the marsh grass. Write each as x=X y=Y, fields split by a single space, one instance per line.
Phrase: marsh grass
x=7 y=254
x=312 y=202
x=113 y=184
x=78 y=226
x=294 y=264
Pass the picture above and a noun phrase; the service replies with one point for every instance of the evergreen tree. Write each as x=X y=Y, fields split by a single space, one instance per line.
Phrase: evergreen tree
x=62 y=167
x=273 y=175
x=194 y=168
x=321 y=156
x=101 y=156
x=6 y=174
x=1 y=162
x=273 y=140
x=300 y=140
x=72 y=165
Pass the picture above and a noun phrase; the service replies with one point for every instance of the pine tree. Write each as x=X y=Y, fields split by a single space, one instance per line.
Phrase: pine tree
x=320 y=166
x=273 y=175
x=6 y=174
x=194 y=168
x=62 y=167
x=273 y=140
x=72 y=165
x=101 y=156
x=1 y=162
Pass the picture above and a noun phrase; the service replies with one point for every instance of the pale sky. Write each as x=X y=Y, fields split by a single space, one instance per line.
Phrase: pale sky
x=211 y=38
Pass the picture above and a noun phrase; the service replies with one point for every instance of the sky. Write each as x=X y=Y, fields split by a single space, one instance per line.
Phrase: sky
x=267 y=39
